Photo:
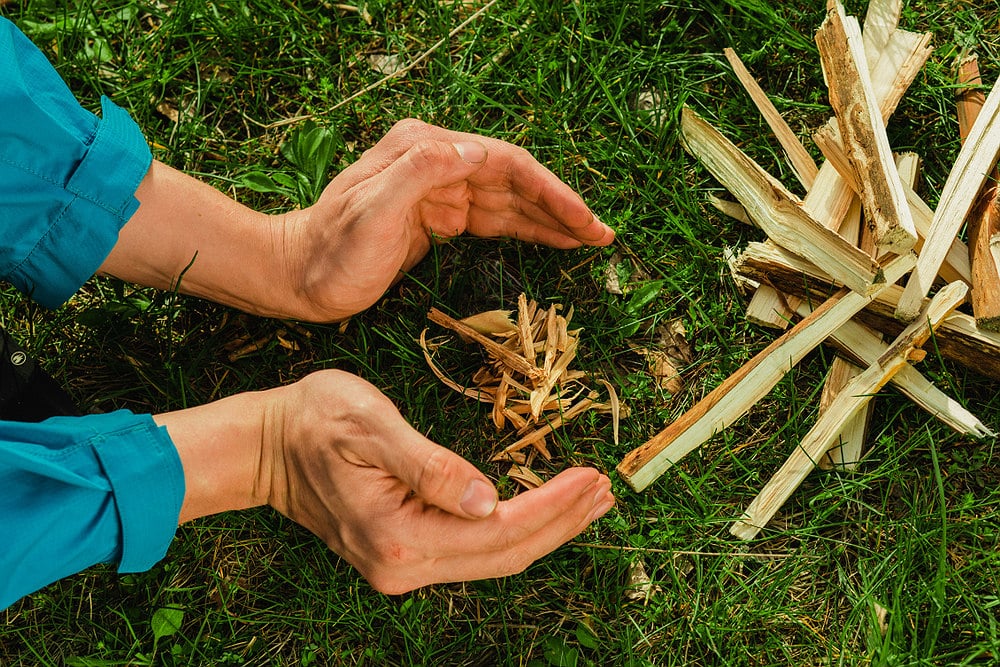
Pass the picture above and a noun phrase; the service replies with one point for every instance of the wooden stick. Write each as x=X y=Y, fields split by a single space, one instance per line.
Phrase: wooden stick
x=956 y=262
x=512 y=359
x=863 y=346
x=853 y=434
x=881 y=20
x=802 y=163
x=853 y=99
x=984 y=219
x=821 y=436
x=776 y=210
x=975 y=161
x=959 y=338
x=738 y=393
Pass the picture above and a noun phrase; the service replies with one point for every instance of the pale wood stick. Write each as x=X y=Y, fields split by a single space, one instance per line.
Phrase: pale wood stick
x=959 y=338
x=821 y=436
x=984 y=220
x=769 y=308
x=881 y=20
x=853 y=98
x=741 y=390
x=956 y=264
x=732 y=209
x=863 y=345
x=975 y=161
x=853 y=435
x=776 y=210
x=802 y=163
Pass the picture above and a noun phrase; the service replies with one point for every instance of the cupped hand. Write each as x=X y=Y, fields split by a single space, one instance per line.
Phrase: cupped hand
x=340 y=460
x=418 y=185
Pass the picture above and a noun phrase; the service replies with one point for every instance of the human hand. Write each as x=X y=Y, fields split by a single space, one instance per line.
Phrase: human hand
x=418 y=185
x=333 y=454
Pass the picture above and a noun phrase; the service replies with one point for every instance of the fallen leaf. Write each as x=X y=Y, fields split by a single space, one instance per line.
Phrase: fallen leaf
x=169 y=111
x=662 y=370
x=387 y=64
x=640 y=588
x=612 y=282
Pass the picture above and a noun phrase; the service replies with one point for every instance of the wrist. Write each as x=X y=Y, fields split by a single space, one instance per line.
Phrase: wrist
x=221 y=446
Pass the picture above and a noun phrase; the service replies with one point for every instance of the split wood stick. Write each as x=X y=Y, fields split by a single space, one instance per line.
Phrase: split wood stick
x=732 y=209
x=863 y=346
x=741 y=390
x=512 y=359
x=821 y=436
x=776 y=210
x=956 y=262
x=853 y=98
x=802 y=163
x=975 y=161
x=984 y=219
x=881 y=20
x=854 y=431
x=959 y=339
x=769 y=308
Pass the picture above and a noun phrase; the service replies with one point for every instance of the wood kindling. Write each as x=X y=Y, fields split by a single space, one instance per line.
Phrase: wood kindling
x=853 y=98
x=975 y=162
x=983 y=224
x=859 y=391
x=863 y=345
x=741 y=390
x=776 y=210
x=803 y=166
x=959 y=339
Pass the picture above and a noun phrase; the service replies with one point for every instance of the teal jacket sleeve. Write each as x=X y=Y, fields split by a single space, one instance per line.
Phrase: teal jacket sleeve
x=67 y=178
x=84 y=490
x=74 y=491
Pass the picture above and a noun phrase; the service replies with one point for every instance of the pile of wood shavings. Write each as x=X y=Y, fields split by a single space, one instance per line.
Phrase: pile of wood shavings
x=527 y=378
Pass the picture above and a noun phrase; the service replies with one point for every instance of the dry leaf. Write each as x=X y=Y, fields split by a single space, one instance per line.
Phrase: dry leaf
x=169 y=111
x=673 y=341
x=640 y=588
x=386 y=64
x=662 y=370
x=616 y=409
x=612 y=283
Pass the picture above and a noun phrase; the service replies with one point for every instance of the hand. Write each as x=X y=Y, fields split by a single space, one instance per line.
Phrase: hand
x=373 y=222
x=421 y=184
x=333 y=454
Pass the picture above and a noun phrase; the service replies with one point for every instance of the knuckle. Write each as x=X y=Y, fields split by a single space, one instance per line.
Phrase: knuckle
x=437 y=473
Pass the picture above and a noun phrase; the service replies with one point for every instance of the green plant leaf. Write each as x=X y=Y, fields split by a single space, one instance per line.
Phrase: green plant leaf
x=166 y=622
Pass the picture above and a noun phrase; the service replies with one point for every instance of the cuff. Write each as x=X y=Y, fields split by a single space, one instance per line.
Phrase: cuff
x=145 y=473
x=102 y=188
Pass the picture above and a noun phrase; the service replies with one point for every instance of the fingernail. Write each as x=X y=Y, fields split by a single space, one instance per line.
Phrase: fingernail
x=480 y=499
x=472 y=152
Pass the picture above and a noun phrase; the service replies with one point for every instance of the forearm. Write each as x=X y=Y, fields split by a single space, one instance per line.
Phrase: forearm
x=221 y=448
x=188 y=236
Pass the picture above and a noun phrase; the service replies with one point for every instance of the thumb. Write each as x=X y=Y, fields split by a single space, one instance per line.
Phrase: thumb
x=428 y=165
x=441 y=477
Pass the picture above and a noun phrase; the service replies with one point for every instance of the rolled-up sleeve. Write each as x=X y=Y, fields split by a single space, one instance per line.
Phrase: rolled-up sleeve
x=78 y=491
x=67 y=178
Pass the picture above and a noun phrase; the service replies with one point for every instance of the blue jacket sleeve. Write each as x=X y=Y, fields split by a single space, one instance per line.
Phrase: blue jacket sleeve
x=67 y=178
x=84 y=490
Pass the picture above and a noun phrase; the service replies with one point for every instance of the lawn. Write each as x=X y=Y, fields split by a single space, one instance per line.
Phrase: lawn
x=896 y=563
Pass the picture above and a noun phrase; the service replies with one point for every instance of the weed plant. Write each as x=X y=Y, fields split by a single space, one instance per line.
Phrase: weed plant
x=896 y=564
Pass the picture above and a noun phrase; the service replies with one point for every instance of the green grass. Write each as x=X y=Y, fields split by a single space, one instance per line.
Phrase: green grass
x=915 y=533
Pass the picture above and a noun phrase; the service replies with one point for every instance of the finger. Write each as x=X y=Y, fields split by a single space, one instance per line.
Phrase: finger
x=496 y=213
x=438 y=476
x=426 y=166
x=518 y=553
x=558 y=505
